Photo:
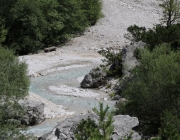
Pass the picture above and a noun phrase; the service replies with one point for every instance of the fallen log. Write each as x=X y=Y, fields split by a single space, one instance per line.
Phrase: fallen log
x=50 y=49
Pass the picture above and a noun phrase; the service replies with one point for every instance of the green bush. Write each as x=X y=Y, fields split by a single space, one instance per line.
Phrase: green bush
x=136 y=32
x=154 y=88
x=170 y=127
x=35 y=24
x=3 y=31
x=166 y=32
x=114 y=60
x=89 y=130
x=157 y=35
x=13 y=86
x=92 y=10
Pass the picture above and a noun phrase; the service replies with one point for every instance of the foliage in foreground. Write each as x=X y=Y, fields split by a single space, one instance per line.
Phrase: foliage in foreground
x=102 y=130
x=34 y=24
x=154 y=91
x=13 y=86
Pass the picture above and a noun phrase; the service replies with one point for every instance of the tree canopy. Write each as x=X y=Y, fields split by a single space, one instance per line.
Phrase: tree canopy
x=14 y=85
x=34 y=24
x=171 y=12
x=154 y=88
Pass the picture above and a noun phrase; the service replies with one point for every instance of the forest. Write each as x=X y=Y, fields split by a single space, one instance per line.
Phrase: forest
x=27 y=26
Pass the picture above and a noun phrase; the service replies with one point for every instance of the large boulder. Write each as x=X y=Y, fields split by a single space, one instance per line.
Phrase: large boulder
x=34 y=112
x=65 y=130
x=97 y=76
x=128 y=59
x=94 y=79
x=123 y=125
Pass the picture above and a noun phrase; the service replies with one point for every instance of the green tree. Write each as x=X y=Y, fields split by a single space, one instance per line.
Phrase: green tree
x=35 y=24
x=25 y=23
x=3 y=31
x=154 y=88
x=87 y=129
x=171 y=12
x=53 y=22
x=170 y=127
x=74 y=19
x=102 y=130
x=157 y=35
x=166 y=32
x=114 y=60
x=13 y=86
x=92 y=10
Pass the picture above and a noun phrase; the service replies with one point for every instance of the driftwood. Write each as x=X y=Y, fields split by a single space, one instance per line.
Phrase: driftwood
x=50 y=49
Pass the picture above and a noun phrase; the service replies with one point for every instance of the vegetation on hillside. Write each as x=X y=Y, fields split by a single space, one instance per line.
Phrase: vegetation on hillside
x=34 y=24
x=166 y=32
x=153 y=92
x=13 y=86
x=27 y=26
x=154 y=89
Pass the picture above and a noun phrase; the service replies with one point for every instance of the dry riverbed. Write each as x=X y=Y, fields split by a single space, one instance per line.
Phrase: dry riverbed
x=81 y=51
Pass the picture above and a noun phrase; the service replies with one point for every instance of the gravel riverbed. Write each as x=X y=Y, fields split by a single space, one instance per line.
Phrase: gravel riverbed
x=81 y=51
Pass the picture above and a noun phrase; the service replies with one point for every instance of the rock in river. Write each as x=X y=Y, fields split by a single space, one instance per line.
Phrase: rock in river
x=34 y=112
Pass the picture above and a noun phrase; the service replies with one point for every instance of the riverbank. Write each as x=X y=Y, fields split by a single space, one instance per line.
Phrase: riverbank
x=81 y=52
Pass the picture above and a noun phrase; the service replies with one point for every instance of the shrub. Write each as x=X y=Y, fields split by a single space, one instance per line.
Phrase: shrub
x=157 y=35
x=13 y=86
x=35 y=24
x=88 y=129
x=114 y=60
x=136 y=32
x=3 y=31
x=170 y=127
x=92 y=10
x=154 y=88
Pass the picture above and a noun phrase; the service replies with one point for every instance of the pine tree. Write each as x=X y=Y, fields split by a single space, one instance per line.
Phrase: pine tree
x=105 y=121
x=88 y=129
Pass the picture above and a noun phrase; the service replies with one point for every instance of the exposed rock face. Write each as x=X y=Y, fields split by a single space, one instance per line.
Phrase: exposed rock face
x=97 y=76
x=94 y=79
x=128 y=63
x=123 y=125
x=128 y=59
x=34 y=112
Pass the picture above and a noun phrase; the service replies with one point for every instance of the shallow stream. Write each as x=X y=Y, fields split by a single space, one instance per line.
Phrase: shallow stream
x=40 y=86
